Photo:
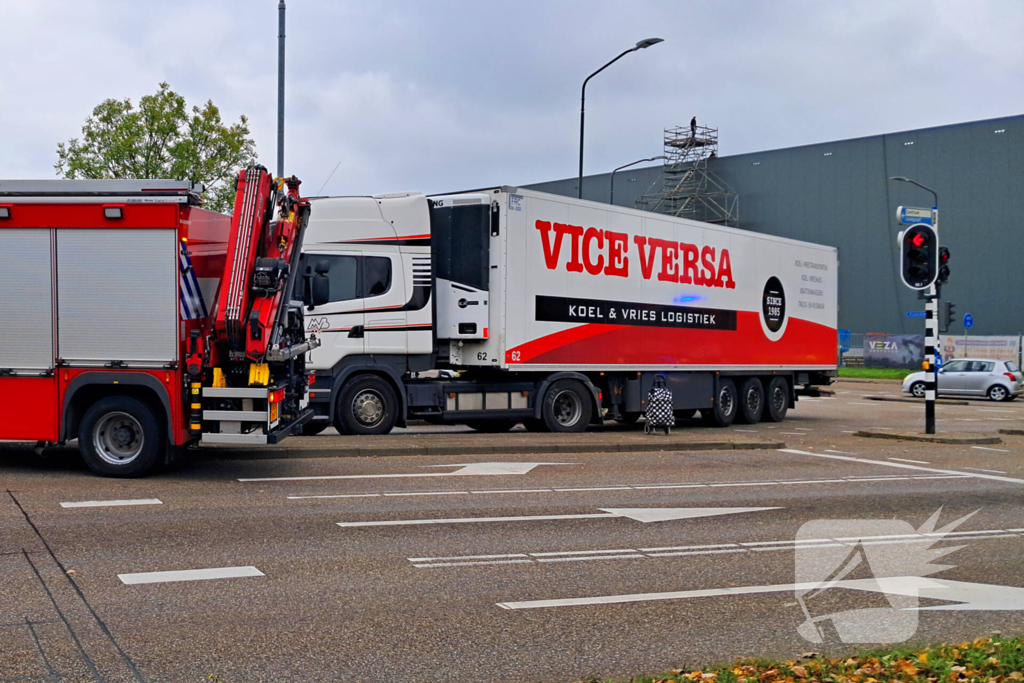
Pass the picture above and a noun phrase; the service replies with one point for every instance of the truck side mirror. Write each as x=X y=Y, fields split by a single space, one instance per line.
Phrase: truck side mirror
x=319 y=290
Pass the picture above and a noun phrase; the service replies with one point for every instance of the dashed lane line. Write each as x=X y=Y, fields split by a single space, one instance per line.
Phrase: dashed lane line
x=626 y=487
x=982 y=448
x=916 y=462
x=189 y=575
x=993 y=477
x=710 y=549
x=111 y=503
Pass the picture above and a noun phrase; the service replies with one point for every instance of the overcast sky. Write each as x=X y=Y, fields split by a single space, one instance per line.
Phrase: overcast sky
x=448 y=95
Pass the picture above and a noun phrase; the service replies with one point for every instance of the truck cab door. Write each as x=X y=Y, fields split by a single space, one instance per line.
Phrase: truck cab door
x=340 y=322
x=385 y=298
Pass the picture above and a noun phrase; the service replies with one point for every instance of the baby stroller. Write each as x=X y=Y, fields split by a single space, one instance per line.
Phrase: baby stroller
x=659 y=413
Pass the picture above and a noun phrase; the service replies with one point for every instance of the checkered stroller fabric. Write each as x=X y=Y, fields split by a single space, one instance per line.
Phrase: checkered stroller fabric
x=659 y=408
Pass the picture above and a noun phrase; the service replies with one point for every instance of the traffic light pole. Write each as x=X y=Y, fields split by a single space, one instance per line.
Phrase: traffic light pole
x=931 y=341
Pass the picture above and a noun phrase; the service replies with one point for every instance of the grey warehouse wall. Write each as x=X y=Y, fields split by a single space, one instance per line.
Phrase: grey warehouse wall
x=837 y=193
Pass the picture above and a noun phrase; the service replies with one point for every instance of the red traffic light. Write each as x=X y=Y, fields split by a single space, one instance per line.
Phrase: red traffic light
x=918 y=239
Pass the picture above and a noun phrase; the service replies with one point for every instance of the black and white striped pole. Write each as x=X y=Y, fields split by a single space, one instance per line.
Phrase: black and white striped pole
x=919 y=260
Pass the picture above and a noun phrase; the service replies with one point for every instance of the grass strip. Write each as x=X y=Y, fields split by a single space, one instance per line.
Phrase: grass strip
x=984 y=660
x=875 y=373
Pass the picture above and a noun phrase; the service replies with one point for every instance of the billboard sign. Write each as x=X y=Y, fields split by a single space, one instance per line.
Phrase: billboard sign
x=893 y=350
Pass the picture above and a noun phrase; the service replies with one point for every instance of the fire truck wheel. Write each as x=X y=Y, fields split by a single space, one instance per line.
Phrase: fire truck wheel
x=120 y=436
x=566 y=407
x=367 y=405
x=723 y=412
x=777 y=400
x=751 y=401
x=492 y=426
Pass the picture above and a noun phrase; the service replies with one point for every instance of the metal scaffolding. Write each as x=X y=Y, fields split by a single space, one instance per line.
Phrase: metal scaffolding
x=688 y=189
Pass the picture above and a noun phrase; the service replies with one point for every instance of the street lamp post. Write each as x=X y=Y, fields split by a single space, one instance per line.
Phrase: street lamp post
x=931 y=324
x=643 y=44
x=611 y=196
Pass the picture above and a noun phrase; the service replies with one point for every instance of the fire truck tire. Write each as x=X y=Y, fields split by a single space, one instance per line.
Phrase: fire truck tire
x=776 y=400
x=367 y=405
x=751 y=401
x=567 y=407
x=723 y=412
x=496 y=426
x=121 y=436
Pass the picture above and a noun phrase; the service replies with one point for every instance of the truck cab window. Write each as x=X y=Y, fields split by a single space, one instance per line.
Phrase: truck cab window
x=376 y=275
x=342 y=273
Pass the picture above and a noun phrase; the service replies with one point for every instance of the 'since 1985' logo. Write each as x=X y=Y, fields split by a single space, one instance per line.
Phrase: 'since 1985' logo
x=773 y=304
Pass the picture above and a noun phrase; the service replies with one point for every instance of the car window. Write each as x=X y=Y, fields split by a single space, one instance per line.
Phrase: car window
x=1011 y=366
x=376 y=275
x=986 y=366
x=956 y=366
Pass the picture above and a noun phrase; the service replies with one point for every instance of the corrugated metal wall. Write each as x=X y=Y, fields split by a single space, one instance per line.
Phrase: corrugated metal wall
x=837 y=193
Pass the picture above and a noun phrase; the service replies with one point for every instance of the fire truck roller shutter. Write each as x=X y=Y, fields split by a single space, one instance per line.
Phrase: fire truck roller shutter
x=26 y=307
x=117 y=295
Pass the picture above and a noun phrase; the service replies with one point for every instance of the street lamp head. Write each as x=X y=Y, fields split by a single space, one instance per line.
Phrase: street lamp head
x=899 y=178
x=647 y=42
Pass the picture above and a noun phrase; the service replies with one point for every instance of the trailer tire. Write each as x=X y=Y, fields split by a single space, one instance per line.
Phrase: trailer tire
x=723 y=412
x=751 y=401
x=776 y=400
x=494 y=426
x=567 y=407
x=367 y=405
x=121 y=436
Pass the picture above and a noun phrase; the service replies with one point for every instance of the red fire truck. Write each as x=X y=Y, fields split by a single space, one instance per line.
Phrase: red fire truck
x=138 y=323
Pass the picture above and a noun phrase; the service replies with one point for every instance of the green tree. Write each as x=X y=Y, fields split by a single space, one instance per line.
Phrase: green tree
x=161 y=138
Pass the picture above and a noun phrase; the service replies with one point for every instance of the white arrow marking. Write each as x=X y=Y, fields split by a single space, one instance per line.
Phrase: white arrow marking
x=471 y=469
x=638 y=514
x=963 y=595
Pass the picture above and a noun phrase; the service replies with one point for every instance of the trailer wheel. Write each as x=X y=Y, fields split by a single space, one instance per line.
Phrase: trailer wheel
x=566 y=407
x=723 y=412
x=367 y=405
x=751 y=401
x=777 y=400
x=120 y=436
x=495 y=426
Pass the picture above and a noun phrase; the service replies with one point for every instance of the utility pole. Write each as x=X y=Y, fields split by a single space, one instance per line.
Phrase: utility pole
x=280 y=89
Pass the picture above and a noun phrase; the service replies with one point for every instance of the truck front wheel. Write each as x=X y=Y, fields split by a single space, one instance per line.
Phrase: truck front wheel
x=566 y=407
x=367 y=405
x=120 y=436
x=723 y=412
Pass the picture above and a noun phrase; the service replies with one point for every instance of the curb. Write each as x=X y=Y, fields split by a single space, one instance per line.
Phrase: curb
x=1012 y=432
x=930 y=438
x=917 y=401
x=234 y=453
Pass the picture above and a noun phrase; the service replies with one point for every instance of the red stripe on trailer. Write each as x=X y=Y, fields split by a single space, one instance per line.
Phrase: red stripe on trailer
x=804 y=343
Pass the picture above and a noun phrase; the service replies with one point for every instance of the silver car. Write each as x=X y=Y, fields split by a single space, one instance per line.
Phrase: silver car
x=996 y=379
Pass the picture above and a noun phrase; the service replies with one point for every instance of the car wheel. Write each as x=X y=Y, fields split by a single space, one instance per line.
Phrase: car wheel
x=367 y=405
x=998 y=392
x=751 y=401
x=120 y=436
x=917 y=389
x=566 y=407
x=776 y=400
x=723 y=413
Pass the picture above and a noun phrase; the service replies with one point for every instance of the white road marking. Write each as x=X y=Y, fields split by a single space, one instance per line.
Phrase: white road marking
x=829 y=450
x=960 y=595
x=982 y=448
x=111 y=503
x=749 y=431
x=190 y=575
x=849 y=432
x=712 y=549
x=628 y=487
x=472 y=469
x=638 y=514
x=993 y=477
x=881 y=427
x=916 y=462
x=802 y=429
x=993 y=410
x=792 y=434
x=976 y=469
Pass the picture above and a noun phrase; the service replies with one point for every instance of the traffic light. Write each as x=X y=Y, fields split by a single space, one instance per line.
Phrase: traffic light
x=950 y=314
x=943 y=266
x=919 y=255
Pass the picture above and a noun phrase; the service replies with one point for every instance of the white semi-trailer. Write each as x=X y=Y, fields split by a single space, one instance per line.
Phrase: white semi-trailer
x=554 y=312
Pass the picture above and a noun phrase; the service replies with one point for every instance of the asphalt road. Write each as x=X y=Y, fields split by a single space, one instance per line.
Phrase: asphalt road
x=588 y=589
